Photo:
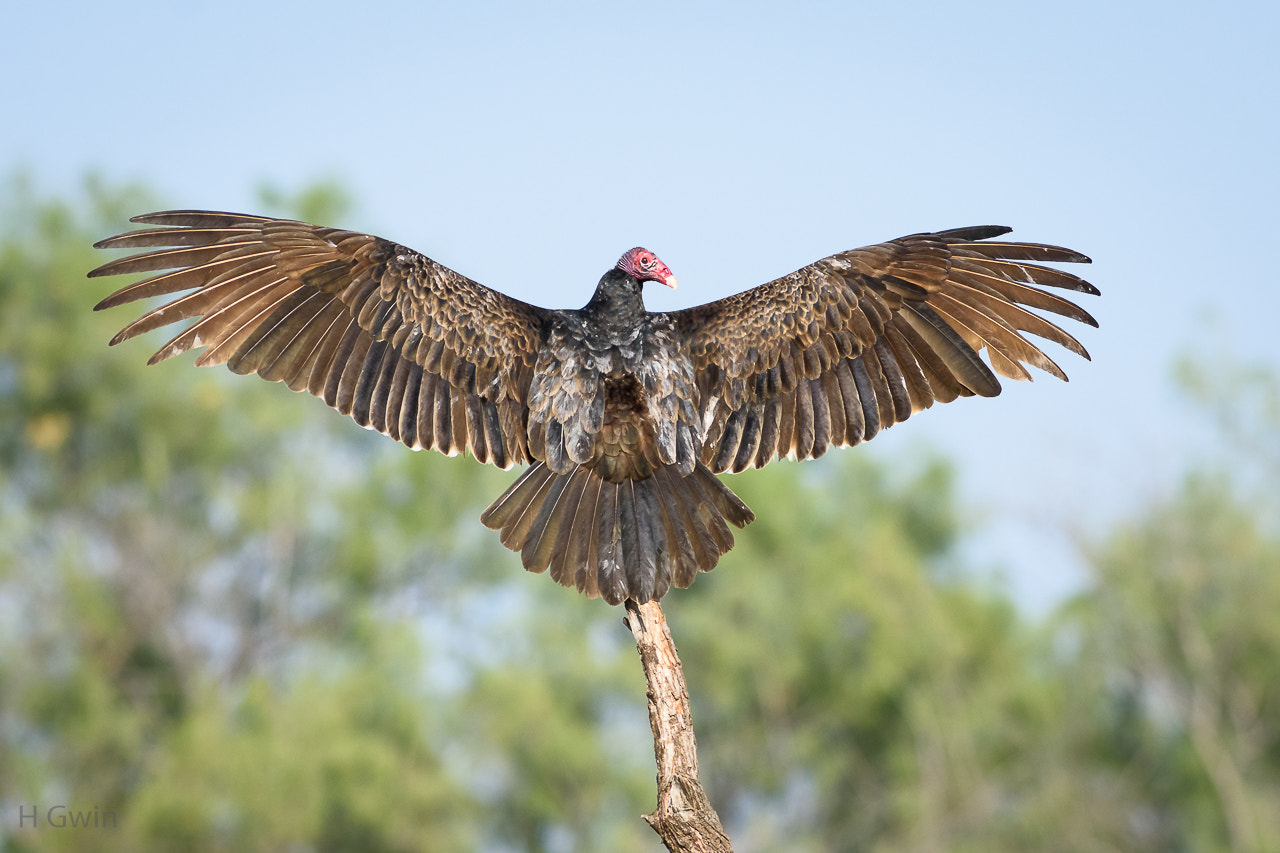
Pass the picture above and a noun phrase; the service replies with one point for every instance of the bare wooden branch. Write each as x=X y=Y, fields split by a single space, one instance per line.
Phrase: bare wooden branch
x=684 y=818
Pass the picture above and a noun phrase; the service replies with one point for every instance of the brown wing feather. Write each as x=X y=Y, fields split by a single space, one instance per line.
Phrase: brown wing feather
x=836 y=351
x=401 y=343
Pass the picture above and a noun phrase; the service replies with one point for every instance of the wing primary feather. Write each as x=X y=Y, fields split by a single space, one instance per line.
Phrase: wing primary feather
x=426 y=428
x=226 y=327
x=443 y=419
x=409 y=408
x=972 y=232
x=730 y=440
x=855 y=420
x=458 y=416
x=362 y=390
x=804 y=427
x=750 y=439
x=262 y=348
x=835 y=405
x=477 y=436
x=388 y=397
x=768 y=433
x=292 y=359
x=899 y=395
x=867 y=397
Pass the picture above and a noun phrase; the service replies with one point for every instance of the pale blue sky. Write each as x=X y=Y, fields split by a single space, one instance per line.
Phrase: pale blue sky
x=529 y=146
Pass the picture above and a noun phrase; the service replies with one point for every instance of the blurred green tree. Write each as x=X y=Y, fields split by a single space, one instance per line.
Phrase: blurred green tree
x=1180 y=625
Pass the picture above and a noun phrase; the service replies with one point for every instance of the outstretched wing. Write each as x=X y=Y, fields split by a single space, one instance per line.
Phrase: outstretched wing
x=388 y=336
x=851 y=344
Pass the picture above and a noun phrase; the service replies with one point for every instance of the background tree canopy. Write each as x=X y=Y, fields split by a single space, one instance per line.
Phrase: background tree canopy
x=235 y=622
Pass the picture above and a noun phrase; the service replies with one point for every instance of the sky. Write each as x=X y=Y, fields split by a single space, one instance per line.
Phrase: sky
x=529 y=145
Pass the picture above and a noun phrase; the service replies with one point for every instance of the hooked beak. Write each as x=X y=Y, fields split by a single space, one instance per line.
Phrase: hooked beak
x=666 y=277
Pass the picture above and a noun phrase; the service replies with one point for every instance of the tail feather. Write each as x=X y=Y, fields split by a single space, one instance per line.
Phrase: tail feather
x=601 y=577
x=573 y=554
x=513 y=513
x=546 y=523
x=685 y=517
x=676 y=530
x=648 y=545
x=555 y=535
x=711 y=514
x=633 y=539
x=585 y=572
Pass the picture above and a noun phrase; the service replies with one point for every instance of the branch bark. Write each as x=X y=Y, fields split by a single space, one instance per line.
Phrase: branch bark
x=684 y=818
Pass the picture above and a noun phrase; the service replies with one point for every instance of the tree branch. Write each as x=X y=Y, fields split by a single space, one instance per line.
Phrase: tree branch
x=684 y=818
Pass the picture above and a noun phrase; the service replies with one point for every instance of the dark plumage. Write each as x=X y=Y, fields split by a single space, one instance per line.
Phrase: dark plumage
x=626 y=415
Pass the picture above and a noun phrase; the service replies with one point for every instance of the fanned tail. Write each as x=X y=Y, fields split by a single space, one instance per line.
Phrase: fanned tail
x=632 y=539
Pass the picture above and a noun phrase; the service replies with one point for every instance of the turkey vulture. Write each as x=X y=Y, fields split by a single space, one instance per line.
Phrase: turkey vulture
x=626 y=415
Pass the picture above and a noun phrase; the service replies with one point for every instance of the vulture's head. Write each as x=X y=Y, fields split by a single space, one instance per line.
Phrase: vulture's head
x=643 y=265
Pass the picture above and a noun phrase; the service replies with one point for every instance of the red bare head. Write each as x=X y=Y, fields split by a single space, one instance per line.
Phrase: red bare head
x=643 y=265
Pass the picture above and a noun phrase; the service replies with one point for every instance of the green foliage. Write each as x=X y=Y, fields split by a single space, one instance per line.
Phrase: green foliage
x=1182 y=621
x=322 y=202
x=233 y=776
x=1178 y=635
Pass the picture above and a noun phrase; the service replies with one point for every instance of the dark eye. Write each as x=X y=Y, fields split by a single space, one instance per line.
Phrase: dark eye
x=646 y=261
